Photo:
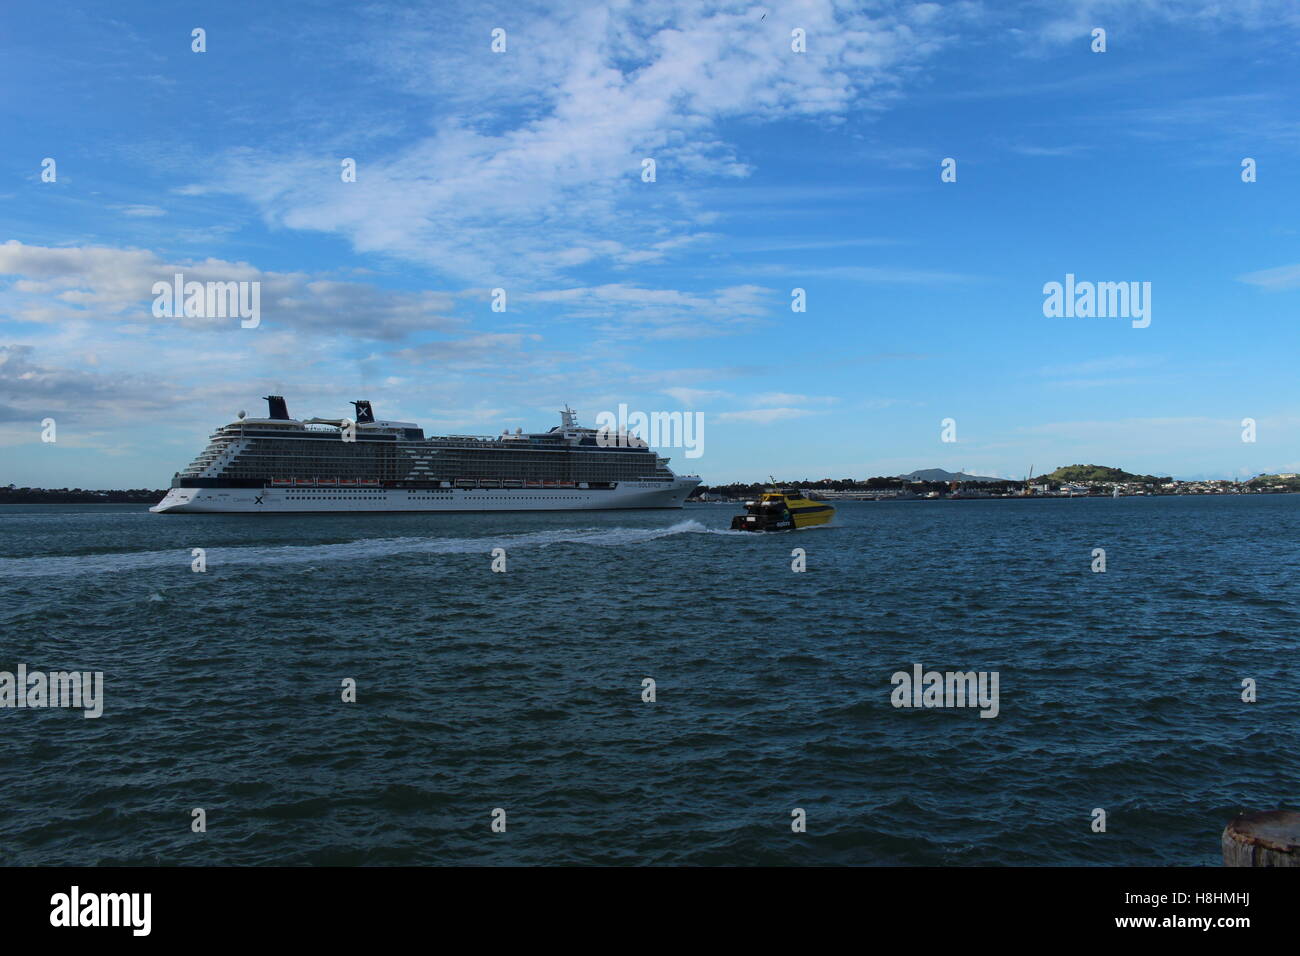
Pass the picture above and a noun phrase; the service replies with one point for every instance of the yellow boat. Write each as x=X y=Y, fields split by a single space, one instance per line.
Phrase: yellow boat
x=782 y=511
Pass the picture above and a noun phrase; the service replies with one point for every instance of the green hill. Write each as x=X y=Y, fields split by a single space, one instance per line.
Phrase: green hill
x=1093 y=473
x=1290 y=481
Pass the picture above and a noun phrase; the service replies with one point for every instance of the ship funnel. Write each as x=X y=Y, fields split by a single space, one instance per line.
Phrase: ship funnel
x=277 y=406
x=364 y=413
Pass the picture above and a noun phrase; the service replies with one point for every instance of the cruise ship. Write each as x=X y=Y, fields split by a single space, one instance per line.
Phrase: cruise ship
x=280 y=464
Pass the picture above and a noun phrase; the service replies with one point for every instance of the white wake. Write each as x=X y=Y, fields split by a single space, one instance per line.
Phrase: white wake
x=360 y=550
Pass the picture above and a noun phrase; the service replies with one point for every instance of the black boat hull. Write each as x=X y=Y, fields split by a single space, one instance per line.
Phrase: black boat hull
x=762 y=523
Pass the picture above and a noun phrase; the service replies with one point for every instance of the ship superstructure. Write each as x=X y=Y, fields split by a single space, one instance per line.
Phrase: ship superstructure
x=282 y=464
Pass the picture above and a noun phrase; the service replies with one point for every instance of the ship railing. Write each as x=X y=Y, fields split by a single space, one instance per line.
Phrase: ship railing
x=518 y=483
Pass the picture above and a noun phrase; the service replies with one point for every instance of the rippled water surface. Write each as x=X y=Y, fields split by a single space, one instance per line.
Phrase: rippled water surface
x=522 y=690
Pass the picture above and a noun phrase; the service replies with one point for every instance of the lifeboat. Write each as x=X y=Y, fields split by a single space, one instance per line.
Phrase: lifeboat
x=782 y=511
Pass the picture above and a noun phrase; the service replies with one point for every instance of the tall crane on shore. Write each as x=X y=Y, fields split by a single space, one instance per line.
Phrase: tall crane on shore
x=1029 y=488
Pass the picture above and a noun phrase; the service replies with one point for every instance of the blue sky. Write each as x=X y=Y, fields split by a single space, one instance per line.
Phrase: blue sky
x=775 y=170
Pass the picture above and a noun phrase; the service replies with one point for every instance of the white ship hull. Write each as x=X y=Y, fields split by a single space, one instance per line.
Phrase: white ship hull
x=349 y=499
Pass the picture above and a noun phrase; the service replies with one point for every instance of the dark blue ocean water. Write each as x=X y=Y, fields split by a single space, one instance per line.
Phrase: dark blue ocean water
x=522 y=690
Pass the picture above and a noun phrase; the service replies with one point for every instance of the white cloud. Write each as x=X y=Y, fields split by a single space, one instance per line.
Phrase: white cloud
x=1073 y=21
x=694 y=397
x=451 y=419
x=761 y=416
x=1274 y=280
x=108 y=285
x=886 y=274
x=787 y=398
x=141 y=211
x=533 y=166
x=482 y=351
x=625 y=311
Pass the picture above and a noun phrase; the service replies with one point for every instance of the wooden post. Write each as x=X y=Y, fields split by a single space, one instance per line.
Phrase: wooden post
x=1267 y=838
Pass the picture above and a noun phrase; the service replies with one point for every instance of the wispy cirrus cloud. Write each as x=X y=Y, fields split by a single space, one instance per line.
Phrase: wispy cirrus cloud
x=1066 y=22
x=483 y=351
x=789 y=398
x=693 y=397
x=141 y=211
x=760 y=416
x=876 y=274
x=533 y=167
x=1278 y=279
x=621 y=311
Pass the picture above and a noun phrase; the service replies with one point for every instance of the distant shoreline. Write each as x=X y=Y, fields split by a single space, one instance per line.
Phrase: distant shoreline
x=896 y=490
x=833 y=497
x=78 y=496
x=1082 y=481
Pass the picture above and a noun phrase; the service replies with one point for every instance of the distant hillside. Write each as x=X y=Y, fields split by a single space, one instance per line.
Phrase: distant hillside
x=1092 y=473
x=938 y=474
x=1290 y=481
